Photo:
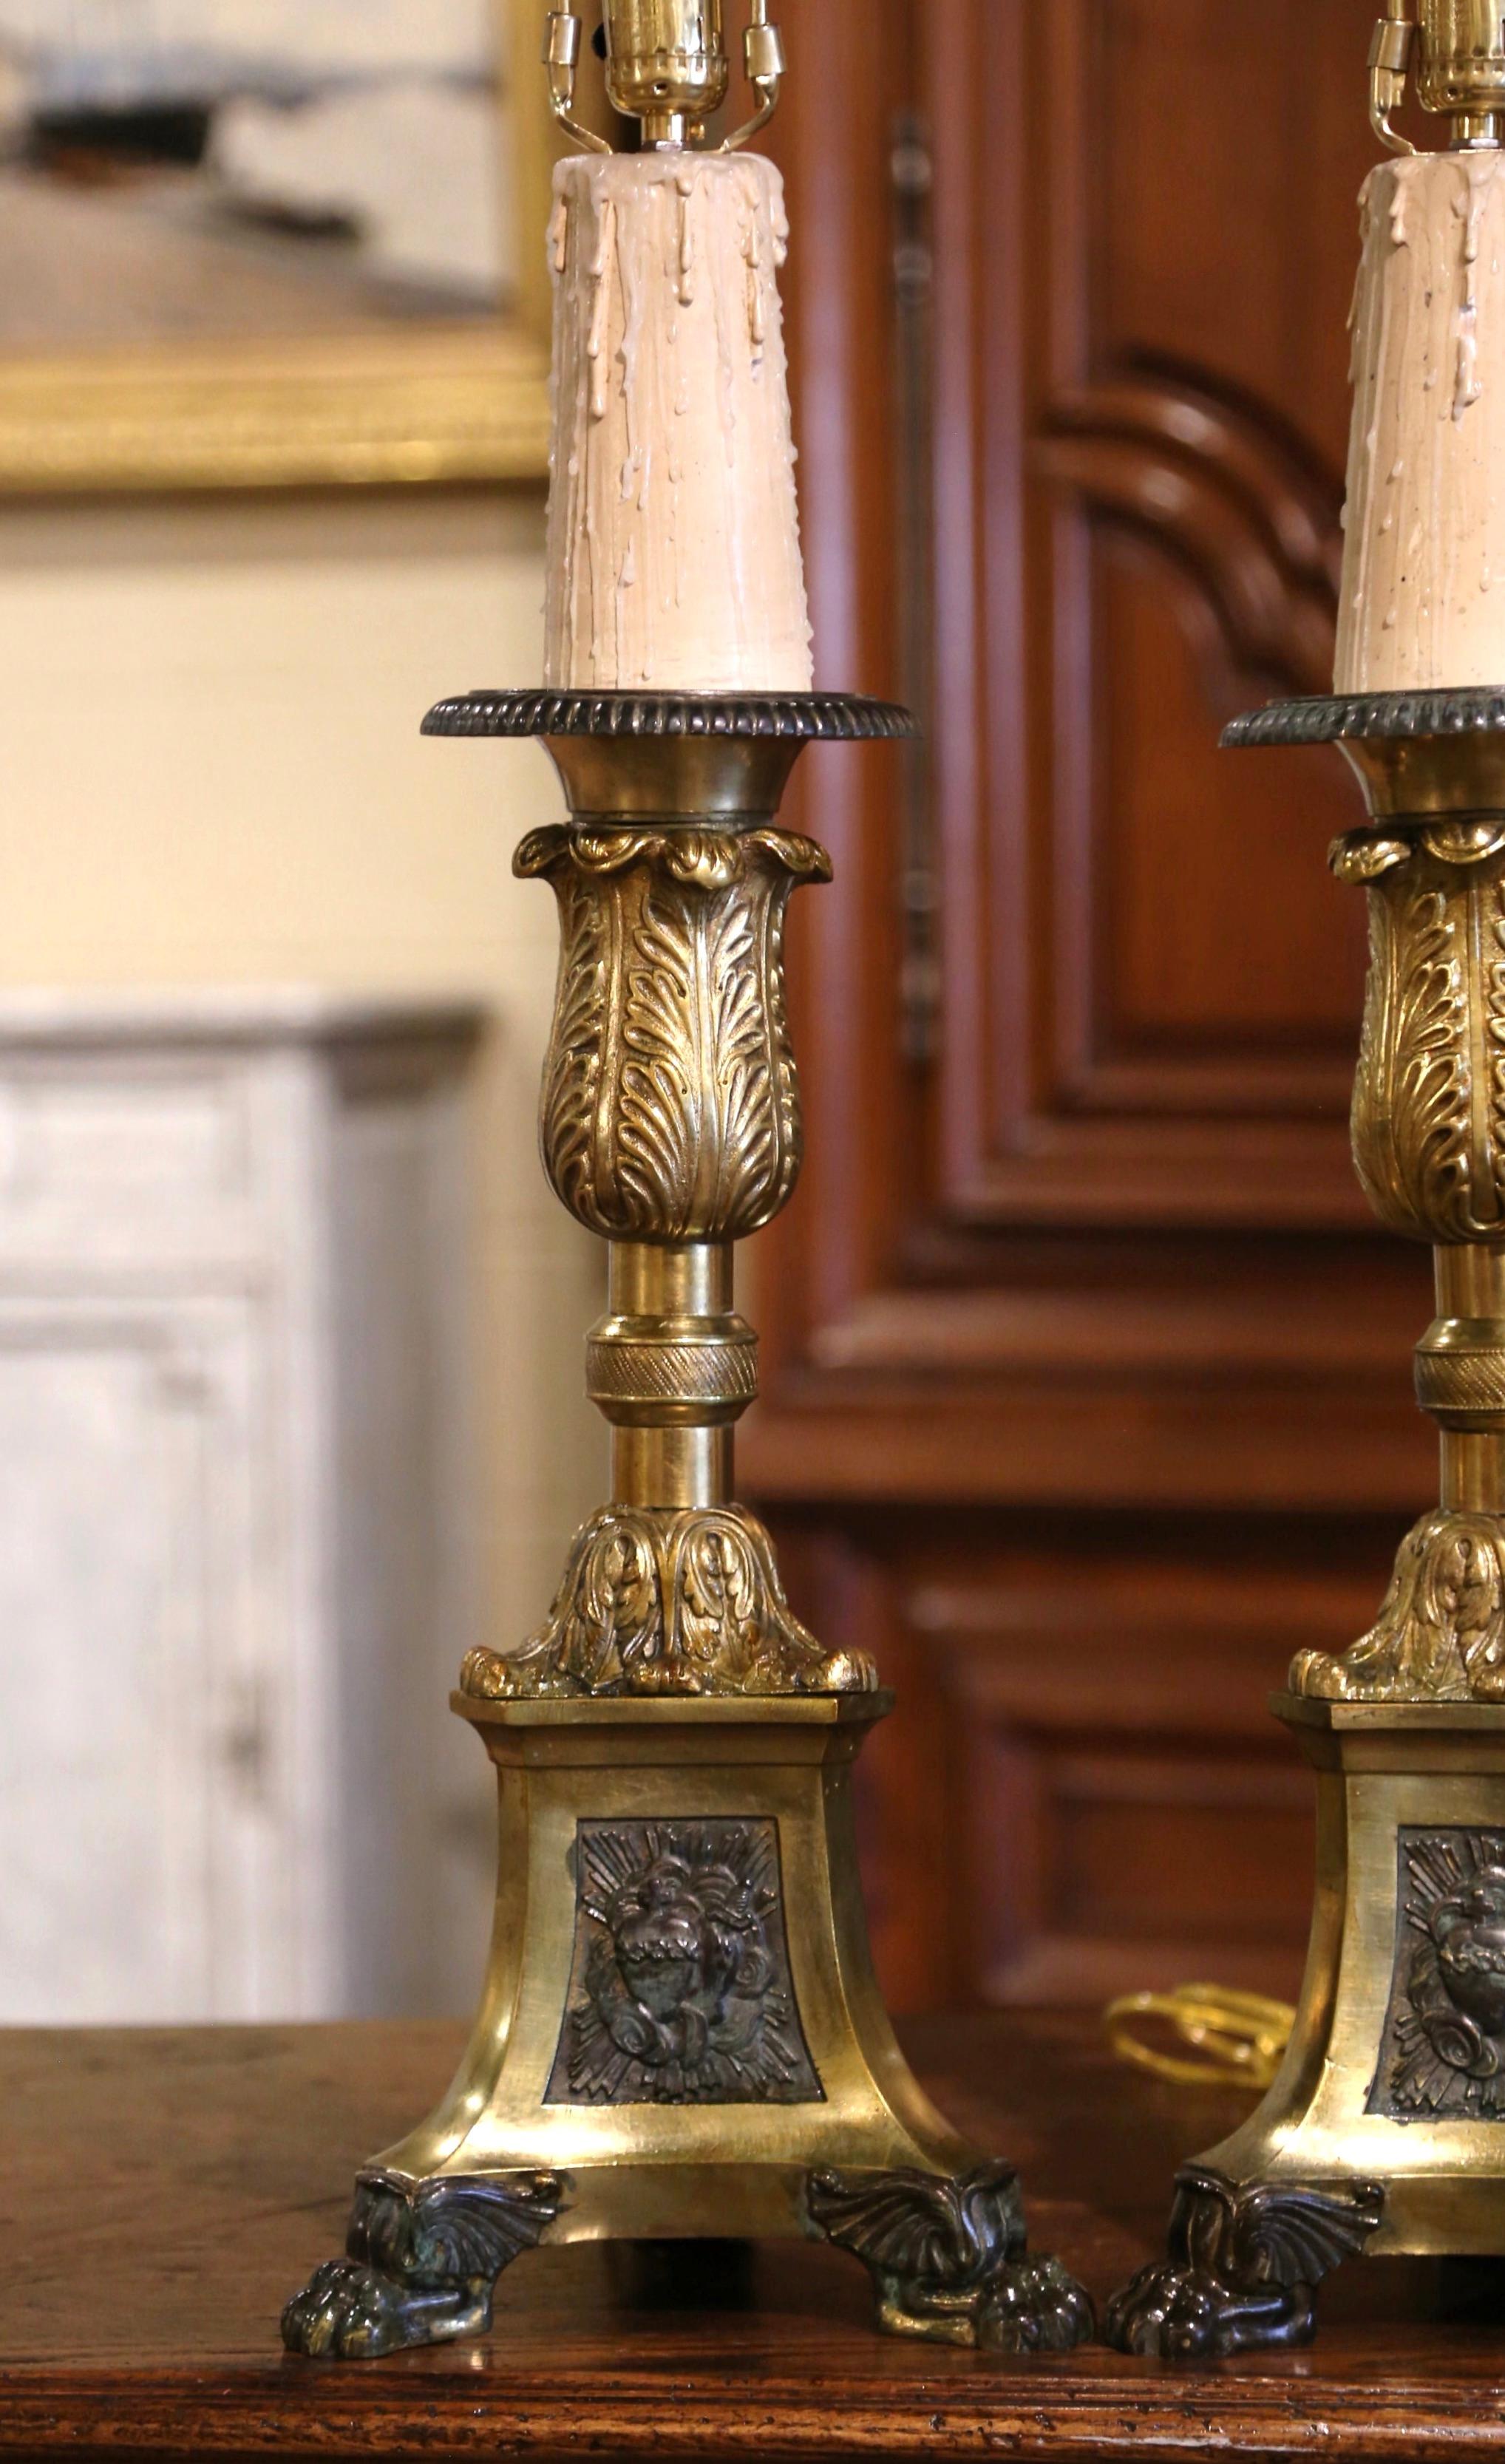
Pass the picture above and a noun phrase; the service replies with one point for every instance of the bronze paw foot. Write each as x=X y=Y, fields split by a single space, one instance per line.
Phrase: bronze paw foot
x=422 y=2263
x=948 y=2258
x=348 y=2312
x=1034 y=2307
x=1244 y=2265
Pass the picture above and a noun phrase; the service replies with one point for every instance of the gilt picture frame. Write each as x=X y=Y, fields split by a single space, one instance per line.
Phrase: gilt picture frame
x=416 y=401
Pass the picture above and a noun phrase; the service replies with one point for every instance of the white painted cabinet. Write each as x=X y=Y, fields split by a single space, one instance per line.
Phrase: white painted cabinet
x=236 y=1508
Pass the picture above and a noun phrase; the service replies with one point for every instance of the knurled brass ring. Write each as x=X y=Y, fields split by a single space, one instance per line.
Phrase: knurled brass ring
x=654 y=1376
x=1461 y=1386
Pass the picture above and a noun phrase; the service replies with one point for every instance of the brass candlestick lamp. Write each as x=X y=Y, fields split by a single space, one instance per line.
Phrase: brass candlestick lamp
x=1384 y=2128
x=680 y=2034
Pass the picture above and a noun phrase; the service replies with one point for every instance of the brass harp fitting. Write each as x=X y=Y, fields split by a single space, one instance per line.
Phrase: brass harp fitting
x=1454 y=53
x=666 y=67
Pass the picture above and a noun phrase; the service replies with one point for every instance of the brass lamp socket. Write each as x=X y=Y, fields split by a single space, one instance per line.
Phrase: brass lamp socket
x=1460 y=65
x=666 y=67
x=666 y=59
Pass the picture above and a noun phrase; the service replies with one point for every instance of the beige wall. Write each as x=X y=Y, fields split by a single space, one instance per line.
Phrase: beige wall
x=213 y=773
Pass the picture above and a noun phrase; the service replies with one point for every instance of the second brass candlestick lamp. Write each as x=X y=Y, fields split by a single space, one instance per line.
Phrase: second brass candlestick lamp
x=680 y=2035
x=1384 y=2129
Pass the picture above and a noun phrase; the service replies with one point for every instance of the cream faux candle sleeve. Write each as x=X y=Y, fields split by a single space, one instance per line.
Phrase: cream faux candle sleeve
x=1424 y=563
x=673 y=549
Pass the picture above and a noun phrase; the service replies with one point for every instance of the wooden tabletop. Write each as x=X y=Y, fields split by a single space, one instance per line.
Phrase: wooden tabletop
x=162 y=2191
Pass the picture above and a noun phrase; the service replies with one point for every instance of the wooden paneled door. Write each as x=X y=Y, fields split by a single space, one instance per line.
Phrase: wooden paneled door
x=1087 y=1375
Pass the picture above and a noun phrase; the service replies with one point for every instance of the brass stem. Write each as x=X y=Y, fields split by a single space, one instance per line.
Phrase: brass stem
x=1470 y=1281
x=1472 y=1472
x=671 y=1468
x=1476 y=131
x=670 y=1125
x=1469 y=1329
x=669 y=1320
x=1427 y=1144
x=669 y=1279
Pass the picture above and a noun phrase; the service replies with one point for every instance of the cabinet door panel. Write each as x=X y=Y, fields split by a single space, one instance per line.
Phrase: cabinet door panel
x=1079 y=1251
x=140 y=1762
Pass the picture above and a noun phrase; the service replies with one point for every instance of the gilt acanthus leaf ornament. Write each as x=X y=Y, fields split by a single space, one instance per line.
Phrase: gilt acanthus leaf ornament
x=1429 y=1120
x=671 y=1105
x=663 y=1601
x=1440 y=1634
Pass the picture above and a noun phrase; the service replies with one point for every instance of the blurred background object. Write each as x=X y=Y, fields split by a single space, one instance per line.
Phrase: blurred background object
x=288 y=1334
x=1082 y=1400
x=288 y=1350
x=235 y=1415
x=1202 y=2035
x=181 y=166
x=252 y=241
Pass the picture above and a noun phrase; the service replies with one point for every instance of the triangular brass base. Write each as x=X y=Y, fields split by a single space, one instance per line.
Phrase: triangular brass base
x=1385 y=2130
x=682 y=2037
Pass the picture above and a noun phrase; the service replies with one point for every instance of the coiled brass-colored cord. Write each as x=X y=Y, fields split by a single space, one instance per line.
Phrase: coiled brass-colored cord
x=1236 y=2039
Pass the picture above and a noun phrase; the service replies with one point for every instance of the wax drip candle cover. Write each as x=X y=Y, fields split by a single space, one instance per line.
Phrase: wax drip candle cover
x=1424 y=567
x=673 y=549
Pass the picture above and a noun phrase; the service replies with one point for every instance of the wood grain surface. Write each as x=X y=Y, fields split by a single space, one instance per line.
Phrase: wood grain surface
x=162 y=2191
x=1086 y=1370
